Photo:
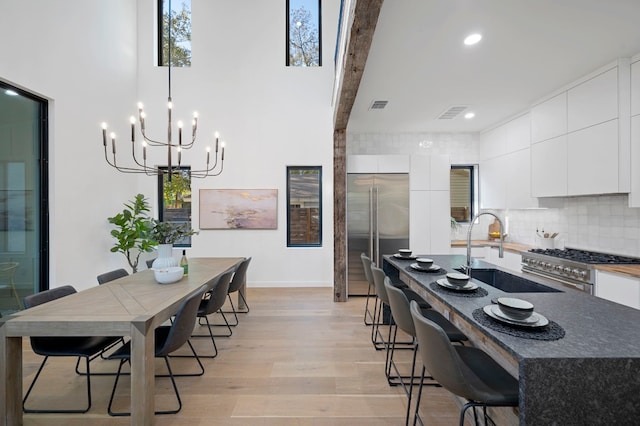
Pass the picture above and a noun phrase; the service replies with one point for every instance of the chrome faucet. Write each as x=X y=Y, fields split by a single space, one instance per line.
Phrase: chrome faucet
x=467 y=267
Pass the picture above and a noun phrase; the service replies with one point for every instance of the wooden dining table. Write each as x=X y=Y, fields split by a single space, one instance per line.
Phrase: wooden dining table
x=130 y=306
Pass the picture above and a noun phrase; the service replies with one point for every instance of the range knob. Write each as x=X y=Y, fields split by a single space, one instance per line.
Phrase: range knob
x=575 y=273
x=566 y=270
x=546 y=265
x=557 y=268
x=583 y=275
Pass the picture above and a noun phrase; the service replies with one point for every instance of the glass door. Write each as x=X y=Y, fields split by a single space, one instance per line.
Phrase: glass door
x=23 y=205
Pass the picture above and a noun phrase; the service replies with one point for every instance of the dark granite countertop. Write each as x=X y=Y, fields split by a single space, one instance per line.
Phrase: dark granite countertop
x=595 y=328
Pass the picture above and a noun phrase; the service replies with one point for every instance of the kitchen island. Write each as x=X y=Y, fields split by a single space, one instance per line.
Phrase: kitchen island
x=591 y=375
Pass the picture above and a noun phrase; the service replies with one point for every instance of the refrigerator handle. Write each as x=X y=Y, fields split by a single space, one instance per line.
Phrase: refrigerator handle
x=377 y=231
x=371 y=253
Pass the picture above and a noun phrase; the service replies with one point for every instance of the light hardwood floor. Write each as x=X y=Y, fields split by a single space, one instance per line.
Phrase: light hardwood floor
x=297 y=358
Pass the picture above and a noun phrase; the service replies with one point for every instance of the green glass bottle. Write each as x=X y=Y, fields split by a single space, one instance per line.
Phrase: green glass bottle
x=184 y=263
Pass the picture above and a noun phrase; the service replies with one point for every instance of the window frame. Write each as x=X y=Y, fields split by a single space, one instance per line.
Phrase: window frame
x=472 y=188
x=160 y=7
x=288 y=32
x=161 y=206
x=288 y=171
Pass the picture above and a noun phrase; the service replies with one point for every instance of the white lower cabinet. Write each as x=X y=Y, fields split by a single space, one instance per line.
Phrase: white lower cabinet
x=510 y=260
x=618 y=288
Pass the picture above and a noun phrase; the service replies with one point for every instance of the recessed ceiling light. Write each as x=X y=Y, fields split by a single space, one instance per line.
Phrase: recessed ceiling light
x=10 y=92
x=472 y=39
x=469 y=115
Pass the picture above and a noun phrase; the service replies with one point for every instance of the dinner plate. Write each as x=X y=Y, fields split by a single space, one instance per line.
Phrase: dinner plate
x=431 y=268
x=467 y=287
x=399 y=256
x=535 y=320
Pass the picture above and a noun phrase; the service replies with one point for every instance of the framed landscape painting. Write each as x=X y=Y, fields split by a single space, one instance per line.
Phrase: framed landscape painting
x=238 y=209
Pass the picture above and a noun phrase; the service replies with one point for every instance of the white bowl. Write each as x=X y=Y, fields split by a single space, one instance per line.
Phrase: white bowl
x=424 y=263
x=405 y=252
x=517 y=309
x=457 y=279
x=168 y=275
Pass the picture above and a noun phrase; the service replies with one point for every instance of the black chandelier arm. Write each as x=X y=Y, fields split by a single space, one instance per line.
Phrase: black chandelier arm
x=121 y=168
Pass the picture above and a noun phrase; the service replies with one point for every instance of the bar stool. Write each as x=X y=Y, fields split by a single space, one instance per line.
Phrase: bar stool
x=366 y=265
x=465 y=371
x=402 y=320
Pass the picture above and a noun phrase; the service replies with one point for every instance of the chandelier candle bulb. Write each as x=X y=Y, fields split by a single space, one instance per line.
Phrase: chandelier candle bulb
x=132 y=119
x=104 y=134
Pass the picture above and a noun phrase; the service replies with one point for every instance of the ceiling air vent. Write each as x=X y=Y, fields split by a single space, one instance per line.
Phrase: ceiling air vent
x=452 y=112
x=378 y=105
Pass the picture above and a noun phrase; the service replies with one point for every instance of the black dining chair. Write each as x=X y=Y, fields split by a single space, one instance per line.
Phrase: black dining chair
x=212 y=303
x=88 y=348
x=239 y=278
x=465 y=371
x=112 y=275
x=168 y=338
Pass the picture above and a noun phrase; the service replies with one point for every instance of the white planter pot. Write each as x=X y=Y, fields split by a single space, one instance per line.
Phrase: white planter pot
x=165 y=257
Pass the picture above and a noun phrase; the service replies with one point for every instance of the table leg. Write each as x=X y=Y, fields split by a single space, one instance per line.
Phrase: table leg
x=10 y=379
x=142 y=374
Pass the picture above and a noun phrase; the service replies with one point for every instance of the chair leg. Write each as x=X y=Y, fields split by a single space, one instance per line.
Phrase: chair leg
x=367 y=312
x=24 y=401
x=416 y=414
x=244 y=300
x=170 y=375
x=232 y=311
x=194 y=355
x=210 y=335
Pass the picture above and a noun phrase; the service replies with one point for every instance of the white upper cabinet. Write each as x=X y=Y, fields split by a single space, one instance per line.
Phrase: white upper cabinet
x=549 y=168
x=593 y=160
x=505 y=179
x=518 y=134
x=549 y=118
x=591 y=155
x=635 y=88
x=594 y=101
x=429 y=173
x=378 y=164
x=493 y=183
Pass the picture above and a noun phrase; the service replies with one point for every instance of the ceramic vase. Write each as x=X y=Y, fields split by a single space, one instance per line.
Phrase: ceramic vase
x=165 y=257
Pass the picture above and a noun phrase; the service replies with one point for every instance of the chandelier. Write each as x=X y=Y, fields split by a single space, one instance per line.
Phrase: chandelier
x=173 y=167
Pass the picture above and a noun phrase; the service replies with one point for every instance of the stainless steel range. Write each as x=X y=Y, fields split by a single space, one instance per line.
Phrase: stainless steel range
x=569 y=266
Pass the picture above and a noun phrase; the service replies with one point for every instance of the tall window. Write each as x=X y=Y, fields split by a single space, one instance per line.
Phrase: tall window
x=174 y=199
x=304 y=33
x=180 y=26
x=24 y=258
x=462 y=193
x=304 y=206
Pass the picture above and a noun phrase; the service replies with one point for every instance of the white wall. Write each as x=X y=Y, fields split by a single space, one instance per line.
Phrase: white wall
x=94 y=64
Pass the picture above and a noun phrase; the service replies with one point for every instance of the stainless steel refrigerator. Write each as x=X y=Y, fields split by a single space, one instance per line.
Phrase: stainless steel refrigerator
x=377 y=221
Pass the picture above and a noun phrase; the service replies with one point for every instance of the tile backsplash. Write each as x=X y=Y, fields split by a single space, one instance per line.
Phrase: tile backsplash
x=601 y=223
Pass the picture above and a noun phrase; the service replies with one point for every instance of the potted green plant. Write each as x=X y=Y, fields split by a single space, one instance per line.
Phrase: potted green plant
x=165 y=234
x=133 y=230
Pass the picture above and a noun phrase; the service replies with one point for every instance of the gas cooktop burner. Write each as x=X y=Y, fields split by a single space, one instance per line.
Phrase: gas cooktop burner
x=585 y=256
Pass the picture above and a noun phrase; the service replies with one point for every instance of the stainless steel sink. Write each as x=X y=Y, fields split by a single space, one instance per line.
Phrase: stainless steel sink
x=510 y=283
